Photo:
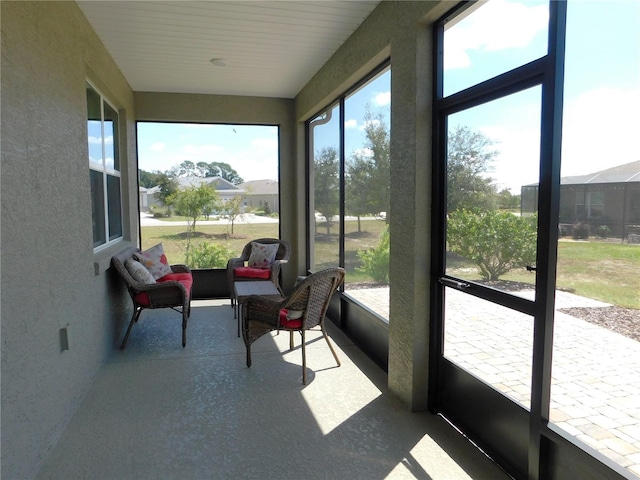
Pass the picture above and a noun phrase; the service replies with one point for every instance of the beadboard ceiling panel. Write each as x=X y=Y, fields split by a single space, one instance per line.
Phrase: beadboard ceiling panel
x=270 y=49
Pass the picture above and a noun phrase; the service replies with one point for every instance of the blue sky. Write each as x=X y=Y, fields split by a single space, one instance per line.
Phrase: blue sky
x=602 y=83
x=250 y=149
x=602 y=97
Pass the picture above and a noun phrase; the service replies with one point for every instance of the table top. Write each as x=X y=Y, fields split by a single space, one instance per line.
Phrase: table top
x=264 y=288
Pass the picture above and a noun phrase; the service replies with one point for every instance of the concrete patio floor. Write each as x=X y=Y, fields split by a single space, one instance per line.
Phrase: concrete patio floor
x=158 y=411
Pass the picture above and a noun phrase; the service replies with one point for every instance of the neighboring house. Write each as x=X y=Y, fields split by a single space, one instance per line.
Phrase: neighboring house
x=259 y=192
x=149 y=197
x=256 y=192
x=226 y=190
x=608 y=198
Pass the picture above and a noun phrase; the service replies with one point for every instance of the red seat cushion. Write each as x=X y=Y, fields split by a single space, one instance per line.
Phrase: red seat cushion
x=286 y=323
x=184 y=278
x=249 y=272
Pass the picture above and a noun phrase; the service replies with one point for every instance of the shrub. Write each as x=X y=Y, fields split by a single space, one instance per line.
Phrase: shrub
x=208 y=255
x=375 y=260
x=496 y=242
x=159 y=212
x=581 y=230
x=603 y=231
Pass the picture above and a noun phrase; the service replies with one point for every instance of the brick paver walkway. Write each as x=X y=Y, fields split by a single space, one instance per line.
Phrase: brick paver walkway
x=595 y=394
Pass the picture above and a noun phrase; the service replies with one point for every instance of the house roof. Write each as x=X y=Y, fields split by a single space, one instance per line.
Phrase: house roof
x=260 y=187
x=629 y=172
x=269 y=48
x=218 y=183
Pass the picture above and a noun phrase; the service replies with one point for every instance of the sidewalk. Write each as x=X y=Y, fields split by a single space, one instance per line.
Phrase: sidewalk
x=147 y=220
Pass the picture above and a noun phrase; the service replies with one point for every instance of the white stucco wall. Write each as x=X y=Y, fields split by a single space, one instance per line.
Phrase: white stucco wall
x=49 y=278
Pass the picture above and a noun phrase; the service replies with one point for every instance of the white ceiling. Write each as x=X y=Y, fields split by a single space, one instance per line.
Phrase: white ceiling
x=271 y=49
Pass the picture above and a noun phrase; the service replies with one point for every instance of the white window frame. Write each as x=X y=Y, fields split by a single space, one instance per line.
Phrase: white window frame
x=106 y=171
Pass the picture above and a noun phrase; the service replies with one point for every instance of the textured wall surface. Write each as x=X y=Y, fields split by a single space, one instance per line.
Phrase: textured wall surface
x=48 y=265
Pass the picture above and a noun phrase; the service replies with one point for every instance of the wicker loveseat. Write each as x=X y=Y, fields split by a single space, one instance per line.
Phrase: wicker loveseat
x=171 y=291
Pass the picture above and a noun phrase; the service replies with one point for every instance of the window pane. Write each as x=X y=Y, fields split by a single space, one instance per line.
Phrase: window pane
x=325 y=202
x=114 y=206
x=492 y=38
x=94 y=126
x=366 y=236
x=111 y=138
x=492 y=342
x=97 y=208
x=492 y=163
x=595 y=391
x=226 y=175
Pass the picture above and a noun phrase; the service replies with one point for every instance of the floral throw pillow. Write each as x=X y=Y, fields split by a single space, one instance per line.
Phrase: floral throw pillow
x=262 y=254
x=139 y=272
x=155 y=261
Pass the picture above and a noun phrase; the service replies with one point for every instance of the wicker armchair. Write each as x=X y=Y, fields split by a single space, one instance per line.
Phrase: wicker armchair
x=172 y=291
x=282 y=256
x=303 y=309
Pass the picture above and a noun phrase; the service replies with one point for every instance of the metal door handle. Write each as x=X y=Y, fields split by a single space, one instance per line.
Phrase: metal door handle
x=447 y=282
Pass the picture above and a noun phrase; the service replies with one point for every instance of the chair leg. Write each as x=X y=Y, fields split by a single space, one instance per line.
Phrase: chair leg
x=248 y=356
x=185 y=318
x=304 y=359
x=326 y=337
x=290 y=340
x=134 y=319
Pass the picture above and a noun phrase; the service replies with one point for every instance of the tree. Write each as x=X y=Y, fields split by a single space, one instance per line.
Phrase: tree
x=507 y=200
x=377 y=133
x=469 y=159
x=149 y=179
x=327 y=184
x=220 y=169
x=368 y=171
x=232 y=209
x=205 y=170
x=191 y=202
x=359 y=193
x=496 y=242
x=168 y=186
x=185 y=169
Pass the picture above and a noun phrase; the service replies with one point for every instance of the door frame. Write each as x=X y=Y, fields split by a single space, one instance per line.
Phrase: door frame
x=522 y=441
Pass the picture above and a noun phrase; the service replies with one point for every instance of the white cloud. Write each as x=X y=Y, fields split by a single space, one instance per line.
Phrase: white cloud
x=496 y=25
x=201 y=149
x=600 y=130
x=374 y=121
x=95 y=140
x=158 y=147
x=265 y=144
x=382 y=99
x=351 y=123
x=363 y=152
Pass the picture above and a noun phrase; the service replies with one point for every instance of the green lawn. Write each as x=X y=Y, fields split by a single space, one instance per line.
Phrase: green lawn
x=174 y=237
x=603 y=271
x=608 y=272
x=174 y=240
